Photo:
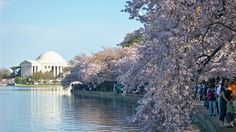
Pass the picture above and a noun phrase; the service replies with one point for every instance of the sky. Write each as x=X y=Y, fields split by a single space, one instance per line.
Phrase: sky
x=70 y=27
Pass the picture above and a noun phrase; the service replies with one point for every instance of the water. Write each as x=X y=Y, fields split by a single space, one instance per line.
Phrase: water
x=30 y=110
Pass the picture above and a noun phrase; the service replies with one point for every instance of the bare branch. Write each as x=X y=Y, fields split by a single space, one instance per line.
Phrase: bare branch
x=222 y=24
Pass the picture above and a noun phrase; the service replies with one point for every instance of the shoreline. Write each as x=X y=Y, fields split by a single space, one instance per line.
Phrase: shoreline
x=109 y=95
x=43 y=85
x=23 y=86
x=202 y=119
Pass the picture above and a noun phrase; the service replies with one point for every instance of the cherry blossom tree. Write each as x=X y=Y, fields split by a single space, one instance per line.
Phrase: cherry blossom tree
x=184 y=42
x=96 y=68
x=71 y=77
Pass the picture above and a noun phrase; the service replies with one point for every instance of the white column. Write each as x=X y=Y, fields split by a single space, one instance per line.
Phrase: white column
x=32 y=70
x=59 y=68
x=55 y=71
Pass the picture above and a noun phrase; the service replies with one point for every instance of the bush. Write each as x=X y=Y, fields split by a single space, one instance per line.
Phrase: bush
x=20 y=80
x=106 y=86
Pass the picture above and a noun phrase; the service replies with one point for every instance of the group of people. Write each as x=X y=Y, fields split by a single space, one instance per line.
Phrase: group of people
x=218 y=100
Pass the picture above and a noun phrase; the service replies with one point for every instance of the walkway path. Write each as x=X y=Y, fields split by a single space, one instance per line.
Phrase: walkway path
x=206 y=122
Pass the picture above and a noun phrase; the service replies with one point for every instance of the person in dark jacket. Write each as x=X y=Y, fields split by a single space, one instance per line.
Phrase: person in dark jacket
x=229 y=109
x=223 y=102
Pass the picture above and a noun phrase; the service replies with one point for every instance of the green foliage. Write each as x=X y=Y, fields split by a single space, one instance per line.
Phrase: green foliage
x=119 y=88
x=20 y=80
x=132 y=39
x=106 y=86
x=45 y=76
x=37 y=76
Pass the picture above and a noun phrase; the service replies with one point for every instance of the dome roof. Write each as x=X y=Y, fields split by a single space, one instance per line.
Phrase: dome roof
x=50 y=57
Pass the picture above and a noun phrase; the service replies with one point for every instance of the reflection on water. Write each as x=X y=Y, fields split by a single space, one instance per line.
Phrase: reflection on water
x=28 y=109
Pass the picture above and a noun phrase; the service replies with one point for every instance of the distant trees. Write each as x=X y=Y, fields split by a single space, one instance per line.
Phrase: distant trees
x=132 y=38
x=20 y=80
x=46 y=76
x=94 y=69
x=4 y=73
x=38 y=77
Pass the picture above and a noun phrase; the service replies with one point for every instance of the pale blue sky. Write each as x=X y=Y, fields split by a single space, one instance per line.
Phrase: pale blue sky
x=69 y=27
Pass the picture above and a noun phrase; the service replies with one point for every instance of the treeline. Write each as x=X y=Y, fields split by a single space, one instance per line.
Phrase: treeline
x=106 y=66
x=4 y=73
x=38 y=78
x=95 y=69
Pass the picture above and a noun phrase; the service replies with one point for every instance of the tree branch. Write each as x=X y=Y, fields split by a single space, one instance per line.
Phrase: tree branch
x=208 y=59
x=222 y=24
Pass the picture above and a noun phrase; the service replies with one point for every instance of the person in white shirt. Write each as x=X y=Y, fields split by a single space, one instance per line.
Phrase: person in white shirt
x=218 y=90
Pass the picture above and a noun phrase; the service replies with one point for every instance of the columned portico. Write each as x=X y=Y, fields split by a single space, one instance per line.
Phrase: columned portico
x=49 y=61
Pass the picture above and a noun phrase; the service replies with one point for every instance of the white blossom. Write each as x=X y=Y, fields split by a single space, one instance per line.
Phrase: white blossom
x=185 y=41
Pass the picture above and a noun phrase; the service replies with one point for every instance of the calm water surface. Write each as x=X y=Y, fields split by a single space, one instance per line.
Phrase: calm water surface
x=28 y=110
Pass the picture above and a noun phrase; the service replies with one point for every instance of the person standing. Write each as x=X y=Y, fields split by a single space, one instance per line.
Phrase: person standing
x=229 y=109
x=212 y=101
x=218 y=88
x=223 y=102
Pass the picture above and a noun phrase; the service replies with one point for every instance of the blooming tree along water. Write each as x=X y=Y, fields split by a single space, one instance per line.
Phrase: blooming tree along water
x=182 y=42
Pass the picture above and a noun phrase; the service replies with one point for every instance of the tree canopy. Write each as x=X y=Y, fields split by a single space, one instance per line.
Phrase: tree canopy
x=42 y=76
x=95 y=68
x=182 y=43
x=185 y=41
x=4 y=73
x=132 y=38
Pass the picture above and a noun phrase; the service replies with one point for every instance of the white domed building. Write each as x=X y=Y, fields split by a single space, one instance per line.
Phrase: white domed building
x=49 y=61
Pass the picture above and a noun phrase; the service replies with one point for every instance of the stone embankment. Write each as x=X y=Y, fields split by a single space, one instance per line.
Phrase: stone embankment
x=205 y=122
x=200 y=116
x=107 y=95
